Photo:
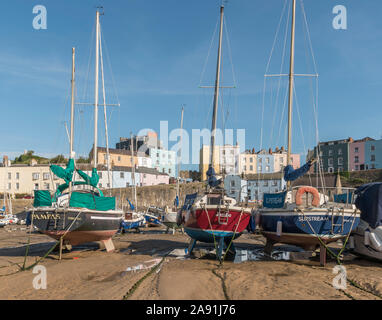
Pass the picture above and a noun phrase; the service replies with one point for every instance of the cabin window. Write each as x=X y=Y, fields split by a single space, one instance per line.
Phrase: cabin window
x=214 y=200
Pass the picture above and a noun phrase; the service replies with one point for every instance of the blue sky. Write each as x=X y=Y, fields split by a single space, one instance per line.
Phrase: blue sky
x=157 y=51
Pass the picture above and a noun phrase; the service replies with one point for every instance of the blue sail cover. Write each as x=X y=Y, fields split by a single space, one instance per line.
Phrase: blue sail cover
x=369 y=201
x=291 y=174
x=176 y=202
x=212 y=181
x=131 y=205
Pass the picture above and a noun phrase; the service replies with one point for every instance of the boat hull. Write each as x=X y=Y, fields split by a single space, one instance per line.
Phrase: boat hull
x=207 y=224
x=77 y=226
x=304 y=229
x=133 y=224
x=152 y=220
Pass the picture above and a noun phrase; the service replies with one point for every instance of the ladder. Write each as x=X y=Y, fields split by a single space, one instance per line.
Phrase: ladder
x=223 y=215
x=333 y=225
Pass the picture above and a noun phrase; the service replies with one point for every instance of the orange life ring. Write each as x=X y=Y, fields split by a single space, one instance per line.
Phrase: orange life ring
x=311 y=190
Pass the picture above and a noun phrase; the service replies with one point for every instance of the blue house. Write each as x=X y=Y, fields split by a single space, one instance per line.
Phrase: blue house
x=373 y=154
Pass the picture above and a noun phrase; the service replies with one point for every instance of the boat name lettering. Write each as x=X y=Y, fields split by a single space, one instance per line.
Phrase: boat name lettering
x=313 y=218
x=45 y=216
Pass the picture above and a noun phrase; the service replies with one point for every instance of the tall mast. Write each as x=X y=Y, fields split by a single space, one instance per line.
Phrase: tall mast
x=105 y=118
x=72 y=106
x=291 y=80
x=72 y=115
x=180 y=155
x=217 y=85
x=96 y=92
x=133 y=169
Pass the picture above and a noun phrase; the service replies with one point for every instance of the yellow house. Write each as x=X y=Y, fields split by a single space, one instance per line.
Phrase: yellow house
x=118 y=157
x=204 y=160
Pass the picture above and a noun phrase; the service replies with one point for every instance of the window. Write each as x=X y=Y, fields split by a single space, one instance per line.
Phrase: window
x=373 y=166
x=356 y=150
x=9 y=186
x=267 y=160
x=245 y=168
x=330 y=162
x=281 y=160
x=9 y=175
x=372 y=148
x=265 y=183
x=251 y=168
x=251 y=160
x=17 y=186
x=163 y=170
x=46 y=186
x=232 y=183
x=340 y=161
x=121 y=174
x=259 y=169
x=274 y=183
x=17 y=175
x=357 y=167
x=267 y=168
x=36 y=186
x=169 y=170
x=46 y=175
x=356 y=159
x=157 y=154
x=35 y=176
x=119 y=158
x=372 y=157
x=330 y=153
x=127 y=184
x=339 y=151
x=108 y=185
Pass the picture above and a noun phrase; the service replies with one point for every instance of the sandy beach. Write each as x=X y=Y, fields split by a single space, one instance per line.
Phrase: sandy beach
x=152 y=265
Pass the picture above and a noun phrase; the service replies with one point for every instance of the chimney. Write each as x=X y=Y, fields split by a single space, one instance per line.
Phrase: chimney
x=282 y=148
x=270 y=151
x=277 y=149
x=351 y=140
x=5 y=161
x=253 y=150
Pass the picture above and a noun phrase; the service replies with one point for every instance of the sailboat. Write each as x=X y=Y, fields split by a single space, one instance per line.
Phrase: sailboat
x=213 y=217
x=289 y=216
x=133 y=219
x=169 y=216
x=78 y=212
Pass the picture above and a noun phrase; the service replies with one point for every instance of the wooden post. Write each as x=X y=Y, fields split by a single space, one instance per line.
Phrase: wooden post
x=322 y=255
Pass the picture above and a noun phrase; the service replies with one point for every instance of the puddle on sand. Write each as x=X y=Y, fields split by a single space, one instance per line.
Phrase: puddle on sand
x=278 y=255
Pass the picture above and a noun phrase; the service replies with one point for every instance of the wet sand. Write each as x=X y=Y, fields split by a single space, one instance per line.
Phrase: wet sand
x=88 y=272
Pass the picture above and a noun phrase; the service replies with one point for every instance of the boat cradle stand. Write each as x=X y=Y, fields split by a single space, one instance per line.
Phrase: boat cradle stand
x=222 y=244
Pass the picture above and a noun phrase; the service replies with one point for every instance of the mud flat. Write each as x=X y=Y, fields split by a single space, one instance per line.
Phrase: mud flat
x=152 y=265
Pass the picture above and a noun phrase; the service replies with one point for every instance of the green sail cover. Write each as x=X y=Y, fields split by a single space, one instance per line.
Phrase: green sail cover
x=66 y=174
x=42 y=198
x=90 y=201
x=93 y=180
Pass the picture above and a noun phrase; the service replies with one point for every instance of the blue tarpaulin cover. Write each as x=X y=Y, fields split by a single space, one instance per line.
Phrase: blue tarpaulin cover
x=343 y=198
x=212 y=181
x=189 y=201
x=291 y=174
x=176 y=202
x=274 y=200
x=369 y=201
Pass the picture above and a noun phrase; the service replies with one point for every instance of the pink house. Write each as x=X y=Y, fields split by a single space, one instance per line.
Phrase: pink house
x=151 y=177
x=295 y=158
x=357 y=154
